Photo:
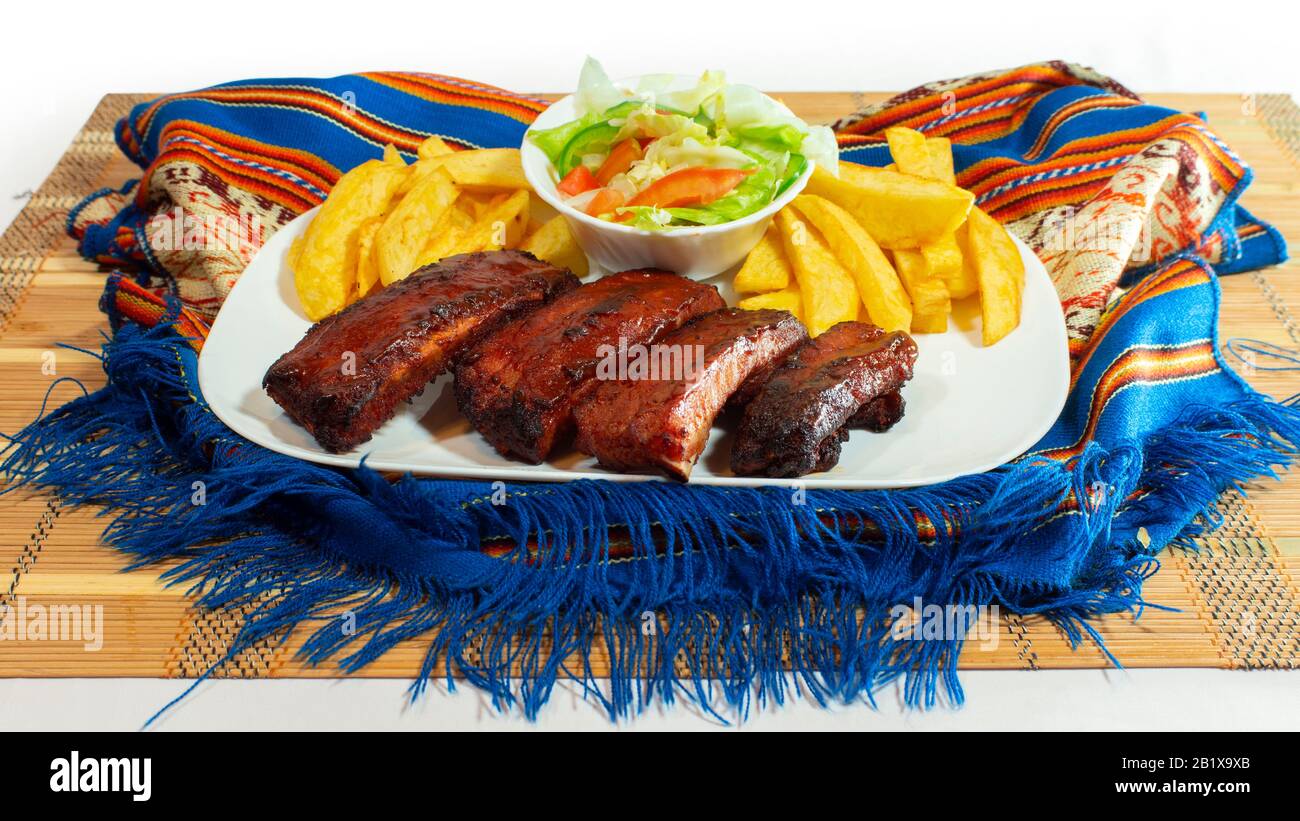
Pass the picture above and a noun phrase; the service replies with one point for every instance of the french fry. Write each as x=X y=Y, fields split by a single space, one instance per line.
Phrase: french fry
x=786 y=299
x=539 y=213
x=966 y=281
x=448 y=237
x=940 y=149
x=933 y=159
x=399 y=240
x=943 y=258
x=1001 y=273
x=489 y=169
x=477 y=203
x=907 y=147
x=417 y=172
x=825 y=288
x=898 y=210
x=878 y=284
x=392 y=156
x=493 y=169
x=554 y=242
x=295 y=251
x=325 y=270
x=766 y=268
x=501 y=225
x=367 y=271
x=498 y=168
x=930 y=302
x=434 y=146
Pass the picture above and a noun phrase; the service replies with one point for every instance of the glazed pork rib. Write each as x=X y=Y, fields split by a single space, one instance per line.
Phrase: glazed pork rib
x=880 y=414
x=663 y=423
x=796 y=423
x=346 y=377
x=519 y=385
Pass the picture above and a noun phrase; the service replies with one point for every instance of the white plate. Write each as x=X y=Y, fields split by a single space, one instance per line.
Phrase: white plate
x=969 y=408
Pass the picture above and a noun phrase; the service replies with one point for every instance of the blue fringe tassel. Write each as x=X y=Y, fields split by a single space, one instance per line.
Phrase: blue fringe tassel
x=728 y=598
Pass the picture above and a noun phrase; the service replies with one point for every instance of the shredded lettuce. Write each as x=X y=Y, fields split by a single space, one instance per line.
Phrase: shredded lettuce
x=690 y=100
x=650 y=86
x=647 y=122
x=747 y=106
x=821 y=147
x=777 y=136
x=647 y=217
x=596 y=92
x=674 y=152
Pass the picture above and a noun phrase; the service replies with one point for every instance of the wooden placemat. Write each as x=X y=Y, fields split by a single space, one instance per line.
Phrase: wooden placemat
x=1238 y=598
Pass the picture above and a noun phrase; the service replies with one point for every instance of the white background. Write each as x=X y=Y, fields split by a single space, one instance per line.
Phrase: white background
x=103 y=47
x=1187 y=45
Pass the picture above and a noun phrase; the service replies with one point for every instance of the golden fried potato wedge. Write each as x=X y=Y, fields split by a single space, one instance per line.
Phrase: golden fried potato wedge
x=898 y=210
x=943 y=258
x=501 y=225
x=878 y=284
x=1001 y=273
x=930 y=301
x=367 y=271
x=966 y=281
x=935 y=161
x=477 y=202
x=786 y=299
x=434 y=146
x=295 y=250
x=498 y=168
x=392 y=156
x=825 y=288
x=766 y=268
x=932 y=159
x=417 y=172
x=554 y=242
x=907 y=147
x=448 y=237
x=940 y=149
x=404 y=233
x=325 y=268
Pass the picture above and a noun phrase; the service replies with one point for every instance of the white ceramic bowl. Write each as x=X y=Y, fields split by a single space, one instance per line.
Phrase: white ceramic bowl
x=693 y=251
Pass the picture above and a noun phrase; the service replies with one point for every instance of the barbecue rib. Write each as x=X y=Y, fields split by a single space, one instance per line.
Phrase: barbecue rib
x=346 y=377
x=647 y=423
x=796 y=423
x=519 y=385
x=880 y=414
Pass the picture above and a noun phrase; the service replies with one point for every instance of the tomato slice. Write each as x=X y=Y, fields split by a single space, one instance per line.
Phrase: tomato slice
x=620 y=159
x=690 y=186
x=605 y=201
x=576 y=181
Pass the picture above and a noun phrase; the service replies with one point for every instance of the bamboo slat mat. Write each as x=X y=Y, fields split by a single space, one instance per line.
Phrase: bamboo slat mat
x=1239 y=597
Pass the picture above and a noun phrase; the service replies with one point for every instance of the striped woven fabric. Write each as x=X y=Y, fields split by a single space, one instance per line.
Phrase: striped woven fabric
x=231 y=165
x=1095 y=181
x=1132 y=207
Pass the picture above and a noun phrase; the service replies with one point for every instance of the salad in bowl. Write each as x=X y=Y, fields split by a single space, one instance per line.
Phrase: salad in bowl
x=657 y=156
